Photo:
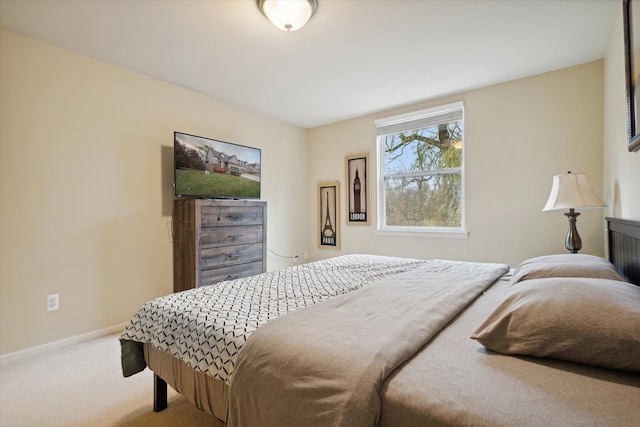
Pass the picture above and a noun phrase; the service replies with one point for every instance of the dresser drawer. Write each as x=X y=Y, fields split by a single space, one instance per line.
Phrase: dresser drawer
x=230 y=236
x=225 y=216
x=216 y=275
x=230 y=255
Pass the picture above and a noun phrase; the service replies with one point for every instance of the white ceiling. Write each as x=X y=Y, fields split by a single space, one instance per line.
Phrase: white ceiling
x=354 y=57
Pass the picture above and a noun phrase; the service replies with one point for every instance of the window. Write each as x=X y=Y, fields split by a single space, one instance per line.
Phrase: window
x=420 y=170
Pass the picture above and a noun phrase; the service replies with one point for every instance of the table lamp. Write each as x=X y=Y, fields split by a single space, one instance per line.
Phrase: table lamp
x=572 y=191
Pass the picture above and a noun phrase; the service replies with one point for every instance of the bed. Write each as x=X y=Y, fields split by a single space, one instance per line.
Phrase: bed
x=555 y=341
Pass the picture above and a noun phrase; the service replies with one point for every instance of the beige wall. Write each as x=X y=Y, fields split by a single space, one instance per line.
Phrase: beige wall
x=85 y=187
x=517 y=136
x=85 y=179
x=621 y=169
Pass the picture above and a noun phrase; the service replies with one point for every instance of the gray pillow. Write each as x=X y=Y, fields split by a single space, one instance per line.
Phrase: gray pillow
x=564 y=265
x=583 y=320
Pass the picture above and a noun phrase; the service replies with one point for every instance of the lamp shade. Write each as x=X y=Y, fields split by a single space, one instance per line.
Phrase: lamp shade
x=288 y=15
x=570 y=191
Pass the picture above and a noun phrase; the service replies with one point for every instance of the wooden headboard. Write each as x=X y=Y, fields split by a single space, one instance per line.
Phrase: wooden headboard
x=623 y=236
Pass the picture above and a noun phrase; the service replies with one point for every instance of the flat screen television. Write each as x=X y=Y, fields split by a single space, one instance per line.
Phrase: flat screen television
x=213 y=169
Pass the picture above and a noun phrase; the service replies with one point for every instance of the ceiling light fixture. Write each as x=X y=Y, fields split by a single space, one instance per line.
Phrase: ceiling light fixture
x=288 y=15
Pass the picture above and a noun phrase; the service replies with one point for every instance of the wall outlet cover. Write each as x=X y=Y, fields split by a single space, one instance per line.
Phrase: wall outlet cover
x=53 y=302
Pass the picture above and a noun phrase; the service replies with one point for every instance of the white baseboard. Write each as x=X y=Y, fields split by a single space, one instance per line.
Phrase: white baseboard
x=39 y=349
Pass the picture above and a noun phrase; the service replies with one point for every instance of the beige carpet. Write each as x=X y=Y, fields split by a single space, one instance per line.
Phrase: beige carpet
x=82 y=385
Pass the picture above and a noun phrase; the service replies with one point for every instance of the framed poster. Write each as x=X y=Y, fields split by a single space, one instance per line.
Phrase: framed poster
x=357 y=189
x=329 y=215
x=631 y=23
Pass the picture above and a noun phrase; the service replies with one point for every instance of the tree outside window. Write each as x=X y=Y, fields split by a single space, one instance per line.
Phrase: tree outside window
x=421 y=166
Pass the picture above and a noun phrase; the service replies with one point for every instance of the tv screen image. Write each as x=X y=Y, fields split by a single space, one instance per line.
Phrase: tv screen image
x=209 y=168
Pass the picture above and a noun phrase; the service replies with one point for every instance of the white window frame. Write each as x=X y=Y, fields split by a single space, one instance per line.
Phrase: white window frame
x=410 y=121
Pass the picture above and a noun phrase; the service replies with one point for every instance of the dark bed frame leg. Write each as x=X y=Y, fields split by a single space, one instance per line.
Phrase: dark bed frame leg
x=159 y=393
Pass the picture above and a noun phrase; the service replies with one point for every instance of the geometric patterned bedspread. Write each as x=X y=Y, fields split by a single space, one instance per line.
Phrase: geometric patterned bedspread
x=206 y=327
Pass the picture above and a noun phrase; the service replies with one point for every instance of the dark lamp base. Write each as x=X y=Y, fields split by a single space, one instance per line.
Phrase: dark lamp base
x=573 y=242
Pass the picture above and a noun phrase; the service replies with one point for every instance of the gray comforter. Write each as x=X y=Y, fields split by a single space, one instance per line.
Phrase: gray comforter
x=206 y=327
x=325 y=365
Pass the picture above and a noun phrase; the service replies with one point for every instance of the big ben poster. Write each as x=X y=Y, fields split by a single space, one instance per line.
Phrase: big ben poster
x=357 y=189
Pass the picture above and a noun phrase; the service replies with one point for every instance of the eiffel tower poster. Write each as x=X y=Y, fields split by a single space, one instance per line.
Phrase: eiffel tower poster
x=328 y=215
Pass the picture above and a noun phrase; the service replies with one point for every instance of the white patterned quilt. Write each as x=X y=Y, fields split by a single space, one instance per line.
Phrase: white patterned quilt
x=206 y=327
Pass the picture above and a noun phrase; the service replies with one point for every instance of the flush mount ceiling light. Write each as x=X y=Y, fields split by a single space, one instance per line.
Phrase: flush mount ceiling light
x=288 y=15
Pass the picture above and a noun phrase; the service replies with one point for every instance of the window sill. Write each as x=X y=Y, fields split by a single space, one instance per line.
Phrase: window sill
x=419 y=232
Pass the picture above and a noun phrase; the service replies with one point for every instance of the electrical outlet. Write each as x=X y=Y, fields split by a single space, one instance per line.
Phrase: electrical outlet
x=295 y=257
x=306 y=255
x=53 y=302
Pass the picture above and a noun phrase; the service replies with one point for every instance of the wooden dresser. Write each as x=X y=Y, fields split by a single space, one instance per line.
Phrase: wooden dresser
x=216 y=240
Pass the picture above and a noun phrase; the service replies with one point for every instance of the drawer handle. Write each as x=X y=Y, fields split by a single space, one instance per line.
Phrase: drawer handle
x=234 y=237
x=234 y=216
x=233 y=257
x=231 y=277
